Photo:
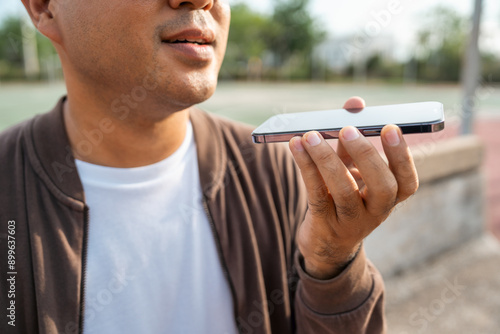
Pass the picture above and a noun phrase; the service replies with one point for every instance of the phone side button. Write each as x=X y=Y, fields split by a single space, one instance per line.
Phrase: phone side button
x=258 y=139
x=371 y=132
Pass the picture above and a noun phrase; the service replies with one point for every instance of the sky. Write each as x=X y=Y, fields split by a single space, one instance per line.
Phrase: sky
x=350 y=17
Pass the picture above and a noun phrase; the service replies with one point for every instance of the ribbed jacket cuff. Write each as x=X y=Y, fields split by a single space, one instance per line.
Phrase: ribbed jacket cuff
x=343 y=293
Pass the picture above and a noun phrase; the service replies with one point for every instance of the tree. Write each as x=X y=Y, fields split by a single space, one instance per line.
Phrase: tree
x=442 y=43
x=11 y=48
x=246 y=41
x=288 y=37
x=295 y=31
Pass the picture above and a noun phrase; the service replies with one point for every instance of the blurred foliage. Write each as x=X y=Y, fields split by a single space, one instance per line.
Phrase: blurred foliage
x=12 y=34
x=295 y=32
x=278 y=45
x=11 y=52
x=379 y=66
x=440 y=53
x=442 y=43
x=246 y=41
x=442 y=48
x=490 y=67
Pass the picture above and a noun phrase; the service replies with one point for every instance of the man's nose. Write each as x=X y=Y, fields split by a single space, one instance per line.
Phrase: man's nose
x=193 y=4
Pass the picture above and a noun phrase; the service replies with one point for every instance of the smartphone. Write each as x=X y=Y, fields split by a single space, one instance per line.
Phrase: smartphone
x=419 y=117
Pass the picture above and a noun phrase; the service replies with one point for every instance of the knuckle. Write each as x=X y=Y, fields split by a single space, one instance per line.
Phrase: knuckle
x=372 y=162
x=320 y=207
x=412 y=186
x=306 y=165
x=392 y=187
x=405 y=167
x=348 y=211
x=416 y=185
x=403 y=164
x=403 y=159
x=348 y=191
x=330 y=174
x=319 y=191
x=382 y=211
x=365 y=151
x=408 y=189
x=389 y=190
x=408 y=173
x=324 y=158
x=308 y=173
x=387 y=198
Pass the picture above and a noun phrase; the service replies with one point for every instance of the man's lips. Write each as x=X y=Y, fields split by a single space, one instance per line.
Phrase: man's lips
x=194 y=35
x=194 y=44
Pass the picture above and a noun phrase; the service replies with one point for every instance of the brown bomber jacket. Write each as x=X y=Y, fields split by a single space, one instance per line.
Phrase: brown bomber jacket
x=254 y=199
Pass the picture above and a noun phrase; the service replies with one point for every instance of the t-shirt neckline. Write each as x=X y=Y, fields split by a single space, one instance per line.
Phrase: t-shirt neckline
x=109 y=175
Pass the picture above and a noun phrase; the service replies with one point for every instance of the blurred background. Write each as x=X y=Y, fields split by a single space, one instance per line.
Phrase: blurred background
x=439 y=252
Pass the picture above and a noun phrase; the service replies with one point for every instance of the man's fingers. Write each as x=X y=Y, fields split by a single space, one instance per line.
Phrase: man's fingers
x=340 y=183
x=343 y=155
x=381 y=186
x=400 y=161
x=320 y=201
x=354 y=104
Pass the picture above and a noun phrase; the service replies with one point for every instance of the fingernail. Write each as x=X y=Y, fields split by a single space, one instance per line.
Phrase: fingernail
x=313 y=138
x=392 y=137
x=297 y=144
x=350 y=133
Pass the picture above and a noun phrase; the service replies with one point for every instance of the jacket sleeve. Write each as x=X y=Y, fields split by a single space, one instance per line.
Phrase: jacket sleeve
x=352 y=302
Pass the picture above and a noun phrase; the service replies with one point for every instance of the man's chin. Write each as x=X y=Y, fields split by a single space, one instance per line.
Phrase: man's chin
x=183 y=98
x=194 y=95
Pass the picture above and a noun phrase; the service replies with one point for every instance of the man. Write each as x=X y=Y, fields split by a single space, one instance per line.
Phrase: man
x=131 y=211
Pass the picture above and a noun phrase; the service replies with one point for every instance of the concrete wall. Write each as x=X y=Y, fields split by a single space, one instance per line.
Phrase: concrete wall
x=447 y=210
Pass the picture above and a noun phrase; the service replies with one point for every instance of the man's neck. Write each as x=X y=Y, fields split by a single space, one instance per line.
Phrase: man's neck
x=104 y=138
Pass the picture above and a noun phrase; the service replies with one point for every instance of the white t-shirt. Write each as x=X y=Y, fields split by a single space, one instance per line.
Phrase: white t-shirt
x=152 y=262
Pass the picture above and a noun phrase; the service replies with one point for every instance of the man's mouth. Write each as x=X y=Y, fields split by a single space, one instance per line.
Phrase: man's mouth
x=196 y=36
x=192 y=41
x=192 y=45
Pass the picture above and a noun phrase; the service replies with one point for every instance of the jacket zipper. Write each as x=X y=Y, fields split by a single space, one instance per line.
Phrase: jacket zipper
x=84 y=267
x=225 y=269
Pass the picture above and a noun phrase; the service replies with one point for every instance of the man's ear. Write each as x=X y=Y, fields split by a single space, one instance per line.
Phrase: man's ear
x=42 y=15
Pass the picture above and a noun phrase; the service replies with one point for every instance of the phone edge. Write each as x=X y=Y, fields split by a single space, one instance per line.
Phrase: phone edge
x=334 y=133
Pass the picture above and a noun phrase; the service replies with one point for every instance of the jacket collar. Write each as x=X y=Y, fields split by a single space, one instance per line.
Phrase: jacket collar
x=212 y=157
x=50 y=155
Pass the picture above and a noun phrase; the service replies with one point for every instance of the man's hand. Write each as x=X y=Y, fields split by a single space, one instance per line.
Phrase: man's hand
x=350 y=192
